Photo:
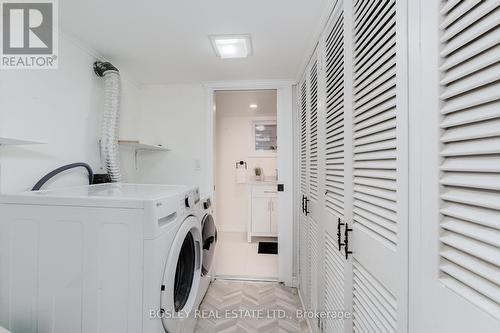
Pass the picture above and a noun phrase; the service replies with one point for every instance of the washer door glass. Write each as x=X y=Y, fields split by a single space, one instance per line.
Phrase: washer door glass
x=184 y=273
x=181 y=280
x=209 y=239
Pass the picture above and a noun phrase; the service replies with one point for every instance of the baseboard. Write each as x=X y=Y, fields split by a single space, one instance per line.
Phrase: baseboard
x=246 y=278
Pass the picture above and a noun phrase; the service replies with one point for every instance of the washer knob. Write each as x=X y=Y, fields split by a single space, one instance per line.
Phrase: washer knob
x=189 y=201
x=207 y=204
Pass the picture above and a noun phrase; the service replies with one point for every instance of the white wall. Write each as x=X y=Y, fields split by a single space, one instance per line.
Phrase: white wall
x=174 y=116
x=62 y=108
x=233 y=133
x=233 y=141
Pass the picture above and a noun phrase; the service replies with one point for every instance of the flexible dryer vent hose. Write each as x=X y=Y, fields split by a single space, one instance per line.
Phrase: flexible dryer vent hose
x=110 y=122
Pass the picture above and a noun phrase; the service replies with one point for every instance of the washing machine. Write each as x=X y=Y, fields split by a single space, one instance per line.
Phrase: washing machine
x=100 y=258
x=209 y=241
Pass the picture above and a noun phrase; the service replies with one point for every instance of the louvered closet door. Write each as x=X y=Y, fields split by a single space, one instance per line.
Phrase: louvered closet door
x=304 y=251
x=461 y=225
x=313 y=197
x=336 y=272
x=380 y=148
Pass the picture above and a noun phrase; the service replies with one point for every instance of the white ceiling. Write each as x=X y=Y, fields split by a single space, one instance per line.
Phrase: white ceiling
x=237 y=103
x=166 y=41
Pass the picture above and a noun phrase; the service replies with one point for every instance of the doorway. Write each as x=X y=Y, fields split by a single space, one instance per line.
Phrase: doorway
x=250 y=146
x=246 y=184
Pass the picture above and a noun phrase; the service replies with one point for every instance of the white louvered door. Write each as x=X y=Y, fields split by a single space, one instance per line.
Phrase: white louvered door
x=360 y=132
x=460 y=245
x=335 y=172
x=310 y=186
x=313 y=206
x=304 y=251
x=380 y=170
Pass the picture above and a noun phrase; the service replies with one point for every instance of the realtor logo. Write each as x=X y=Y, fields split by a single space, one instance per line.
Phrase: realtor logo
x=29 y=38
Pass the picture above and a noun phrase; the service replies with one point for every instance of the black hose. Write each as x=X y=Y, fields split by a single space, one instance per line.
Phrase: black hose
x=57 y=171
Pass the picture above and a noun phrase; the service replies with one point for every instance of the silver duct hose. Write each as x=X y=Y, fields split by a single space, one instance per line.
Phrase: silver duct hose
x=111 y=117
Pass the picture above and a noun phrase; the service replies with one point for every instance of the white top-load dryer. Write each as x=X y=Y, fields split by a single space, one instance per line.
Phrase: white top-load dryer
x=100 y=258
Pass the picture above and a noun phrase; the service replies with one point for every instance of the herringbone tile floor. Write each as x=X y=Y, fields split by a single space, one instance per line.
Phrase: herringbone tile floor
x=250 y=307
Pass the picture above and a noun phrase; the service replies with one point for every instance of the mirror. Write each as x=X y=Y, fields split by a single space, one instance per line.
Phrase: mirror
x=265 y=137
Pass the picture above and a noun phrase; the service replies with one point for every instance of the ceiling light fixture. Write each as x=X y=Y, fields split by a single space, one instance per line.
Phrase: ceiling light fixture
x=232 y=46
x=253 y=106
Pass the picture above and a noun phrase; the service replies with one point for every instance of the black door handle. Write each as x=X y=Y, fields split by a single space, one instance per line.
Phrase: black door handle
x=339 y=233
x=346 y=241
x=307 y=207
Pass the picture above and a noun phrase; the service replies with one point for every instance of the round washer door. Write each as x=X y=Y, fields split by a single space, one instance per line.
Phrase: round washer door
x=209 y=237
x=181 y=279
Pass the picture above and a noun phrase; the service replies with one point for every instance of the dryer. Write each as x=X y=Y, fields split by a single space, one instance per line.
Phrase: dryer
x=209 y=241
x=100 y=258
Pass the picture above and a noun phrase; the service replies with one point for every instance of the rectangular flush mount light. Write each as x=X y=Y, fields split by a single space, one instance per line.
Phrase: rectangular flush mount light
x=232 y=46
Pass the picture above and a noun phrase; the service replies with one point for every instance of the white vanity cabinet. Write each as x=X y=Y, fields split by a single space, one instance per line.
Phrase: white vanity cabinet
x=262 y=211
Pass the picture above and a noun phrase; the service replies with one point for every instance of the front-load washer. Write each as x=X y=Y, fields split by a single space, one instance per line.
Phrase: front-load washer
x=209 y=241
x=100 y=258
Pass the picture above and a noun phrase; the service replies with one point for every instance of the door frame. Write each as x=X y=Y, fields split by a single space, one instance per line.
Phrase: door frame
x=286 y=220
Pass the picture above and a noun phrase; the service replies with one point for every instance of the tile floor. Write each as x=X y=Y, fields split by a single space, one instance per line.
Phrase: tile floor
x=236 y=258
x=242 y=306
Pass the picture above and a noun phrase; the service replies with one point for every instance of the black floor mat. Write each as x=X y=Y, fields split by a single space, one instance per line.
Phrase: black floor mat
x=268 y=248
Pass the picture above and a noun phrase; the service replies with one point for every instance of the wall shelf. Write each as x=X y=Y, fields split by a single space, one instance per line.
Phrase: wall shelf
x=17 y=142
x=139 y=146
